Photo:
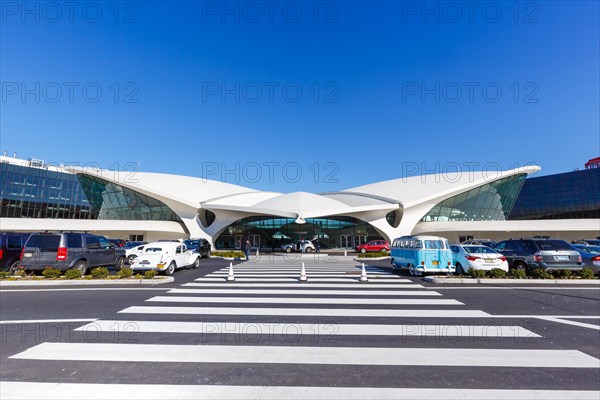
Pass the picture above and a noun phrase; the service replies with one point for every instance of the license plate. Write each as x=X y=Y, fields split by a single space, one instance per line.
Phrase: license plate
x=489 y=260
x=144 y=262
x=561 y=258
x=27 y=255
x=160 y=265
x=435 y=262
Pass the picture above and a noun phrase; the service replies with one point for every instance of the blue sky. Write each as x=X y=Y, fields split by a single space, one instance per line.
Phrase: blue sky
x=360 y=92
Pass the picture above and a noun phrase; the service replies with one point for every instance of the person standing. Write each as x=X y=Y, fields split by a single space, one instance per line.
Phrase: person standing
x=247 y=248
x=317 y=245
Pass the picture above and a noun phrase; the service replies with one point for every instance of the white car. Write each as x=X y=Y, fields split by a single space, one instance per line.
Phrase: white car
x=165 y=257
x=304 y=244
x=465 y=256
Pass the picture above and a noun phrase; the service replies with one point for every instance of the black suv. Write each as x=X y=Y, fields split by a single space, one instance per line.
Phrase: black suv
x=549 y=254
x=64 y=251
x=201 y=246
x=11 y=244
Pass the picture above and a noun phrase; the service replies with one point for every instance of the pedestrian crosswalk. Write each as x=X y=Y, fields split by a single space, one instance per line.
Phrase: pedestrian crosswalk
x=256 y=337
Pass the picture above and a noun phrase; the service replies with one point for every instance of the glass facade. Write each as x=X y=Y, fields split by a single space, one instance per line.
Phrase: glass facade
x=491 y=202
x=27 y=192
x=273 y=232
x=570 y=195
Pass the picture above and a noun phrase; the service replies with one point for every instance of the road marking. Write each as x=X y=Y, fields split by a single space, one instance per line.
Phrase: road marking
x=311 y=285
x=78 y=289
x=311 y=279
x=513 y=287
x=306 y=291
x=309 y=312
x=568 y=322
x=325 y=330
x=297 y=274
x=524 y=358
x=305 y=300
x=94 y=391
x=47 y=321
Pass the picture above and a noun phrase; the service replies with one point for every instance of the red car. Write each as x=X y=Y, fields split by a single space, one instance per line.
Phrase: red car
x=374 y=246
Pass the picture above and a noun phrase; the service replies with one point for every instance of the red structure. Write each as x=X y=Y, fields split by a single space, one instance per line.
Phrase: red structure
x=593 y=163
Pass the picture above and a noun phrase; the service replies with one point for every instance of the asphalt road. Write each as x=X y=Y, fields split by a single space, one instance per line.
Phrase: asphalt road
x=395 y=331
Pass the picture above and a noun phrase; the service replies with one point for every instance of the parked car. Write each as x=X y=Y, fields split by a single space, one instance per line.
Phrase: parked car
x=482 y=242
x=590 y=255
x=309 y=247
x=374 y=246
x=422 y=254
x=165 y=257
x=117 y=242
x=11 y=244
x=201 y=246
x=63 y=251
x=529 y=254
x=474 y=256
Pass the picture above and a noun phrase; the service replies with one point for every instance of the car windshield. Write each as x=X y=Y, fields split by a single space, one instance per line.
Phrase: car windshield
x=153 y=250
x=480 y=250
x=131 y=245
x=553 y=245
x=590 y=249
x=44 y=242
x=191 y=244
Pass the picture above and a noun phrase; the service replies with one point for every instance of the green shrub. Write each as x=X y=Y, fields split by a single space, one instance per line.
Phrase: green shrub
x=228 y=254
x=138 y=276
x=125 y=273
x=51 y=273
x=586 y=273
x=99 y=273
x=373 y=255
x=88 y=277
x=21 y=272
x=4 y=274
x=150 y=274
x=73 y=274
x=541 y=273
x=518 y=273
x=564 y=274
x=476 y=273
x=497 y=273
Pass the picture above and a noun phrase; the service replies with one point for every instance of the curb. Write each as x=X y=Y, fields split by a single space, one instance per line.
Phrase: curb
x=484 y=281
x=117 y=282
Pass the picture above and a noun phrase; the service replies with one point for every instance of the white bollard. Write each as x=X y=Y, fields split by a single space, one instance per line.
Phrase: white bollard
x=345 y=252
x=257 y=254
x=363 y=274
x=303 y=277
x=230 y=277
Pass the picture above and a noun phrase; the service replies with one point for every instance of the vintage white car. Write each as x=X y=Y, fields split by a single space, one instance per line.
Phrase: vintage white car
x=165 y=257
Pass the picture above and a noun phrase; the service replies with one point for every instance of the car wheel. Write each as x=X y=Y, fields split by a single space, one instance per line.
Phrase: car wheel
x=363 y=250
x=411 y=269
x=130 y=259
x=394 y=266
x=196 y=263
x=384 y=251
x=170 y=269
x=81 y=266
x=13 y=267
x=288 y=249
x=308 y=250
x=120 y=264
x=459 y=269
x=521 y=266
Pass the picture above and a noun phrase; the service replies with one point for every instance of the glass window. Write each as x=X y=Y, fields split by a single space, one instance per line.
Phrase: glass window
x=44 y=242
x=74 y=240
x=434 y=244
x=13 y=242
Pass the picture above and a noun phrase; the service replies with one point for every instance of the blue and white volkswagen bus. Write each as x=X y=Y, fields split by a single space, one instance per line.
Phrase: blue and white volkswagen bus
x=422 y=254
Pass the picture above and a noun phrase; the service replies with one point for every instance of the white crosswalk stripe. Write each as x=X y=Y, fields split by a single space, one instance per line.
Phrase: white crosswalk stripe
x=267 y=304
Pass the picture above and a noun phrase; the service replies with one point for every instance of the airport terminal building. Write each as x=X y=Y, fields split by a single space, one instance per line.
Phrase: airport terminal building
x=152 y=206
